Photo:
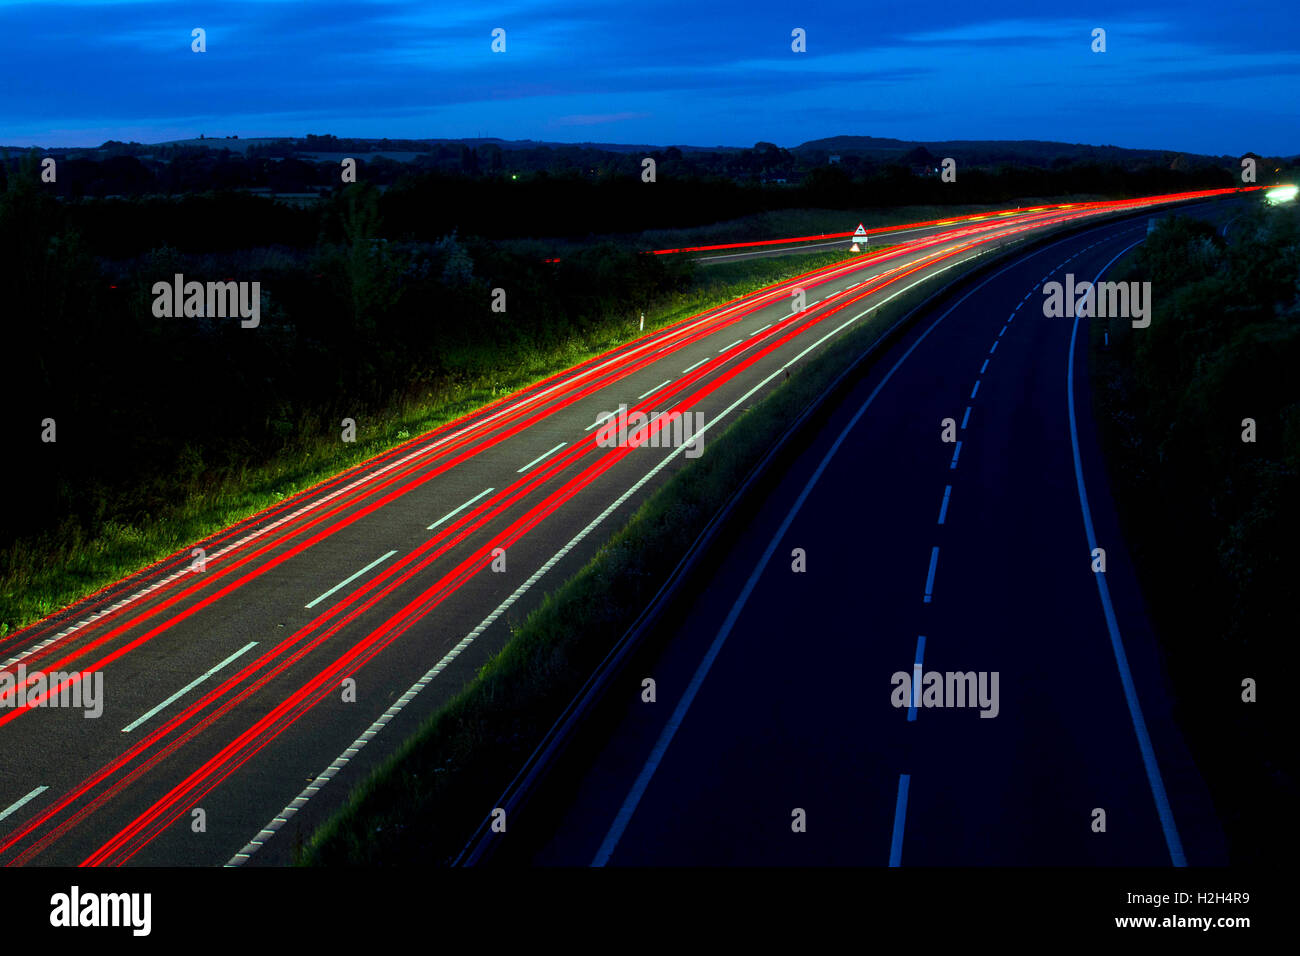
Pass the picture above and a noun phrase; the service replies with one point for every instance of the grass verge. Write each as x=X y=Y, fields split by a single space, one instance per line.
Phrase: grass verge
x=1209 y=518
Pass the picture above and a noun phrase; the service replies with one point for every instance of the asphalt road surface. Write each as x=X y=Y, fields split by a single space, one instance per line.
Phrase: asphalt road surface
x=244 y=696
x=776 y=699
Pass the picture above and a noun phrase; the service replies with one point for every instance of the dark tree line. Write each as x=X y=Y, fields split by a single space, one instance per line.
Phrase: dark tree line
x=352 y=322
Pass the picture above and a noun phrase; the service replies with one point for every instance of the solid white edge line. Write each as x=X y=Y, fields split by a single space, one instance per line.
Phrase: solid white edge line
x=1151 y=766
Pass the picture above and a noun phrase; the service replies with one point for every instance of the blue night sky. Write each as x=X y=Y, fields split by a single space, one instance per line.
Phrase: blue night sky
x=1191 y=75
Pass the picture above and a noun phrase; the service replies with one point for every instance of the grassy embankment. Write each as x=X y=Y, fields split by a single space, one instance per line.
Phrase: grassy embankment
x=1210 y=518
x=40 y=574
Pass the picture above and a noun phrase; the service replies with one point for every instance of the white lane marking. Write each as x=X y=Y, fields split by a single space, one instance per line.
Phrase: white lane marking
x=447 y=517
x=189 y=687
x=344 y=583
x=900 y=820
x=943 y=508
x=725 y=347
x=520 y=471
x=1154 y=780
x=916 y=677
x=929 y=576
x=695 y=366
x=763 y=329
x=605 y=416
x=633 y=798
x=23 y=802
x=655 y=389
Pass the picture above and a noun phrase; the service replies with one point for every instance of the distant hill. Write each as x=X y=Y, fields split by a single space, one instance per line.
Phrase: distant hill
x=869 y=149
x=1037 y=152
x=415 y=146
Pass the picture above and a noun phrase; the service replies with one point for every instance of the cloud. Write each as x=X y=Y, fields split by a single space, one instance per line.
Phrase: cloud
x=672 y=71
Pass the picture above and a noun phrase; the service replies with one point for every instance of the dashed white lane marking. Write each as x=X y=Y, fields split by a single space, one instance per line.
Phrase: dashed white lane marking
x=900 y=820
x=23 y=802
x=655 y=389
x=544 y=454
x=190 y=686
x=755 y=332
x=695 y=366
x=984 y=367
x=994 y=349
x=348 y=580
x=975 y=389
x=453 y=514
x=604 y=417
x=733 y=344
x=965 y=418
x=955 y=453
x=929 y=576
x=916 y=677
x=943 y=508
